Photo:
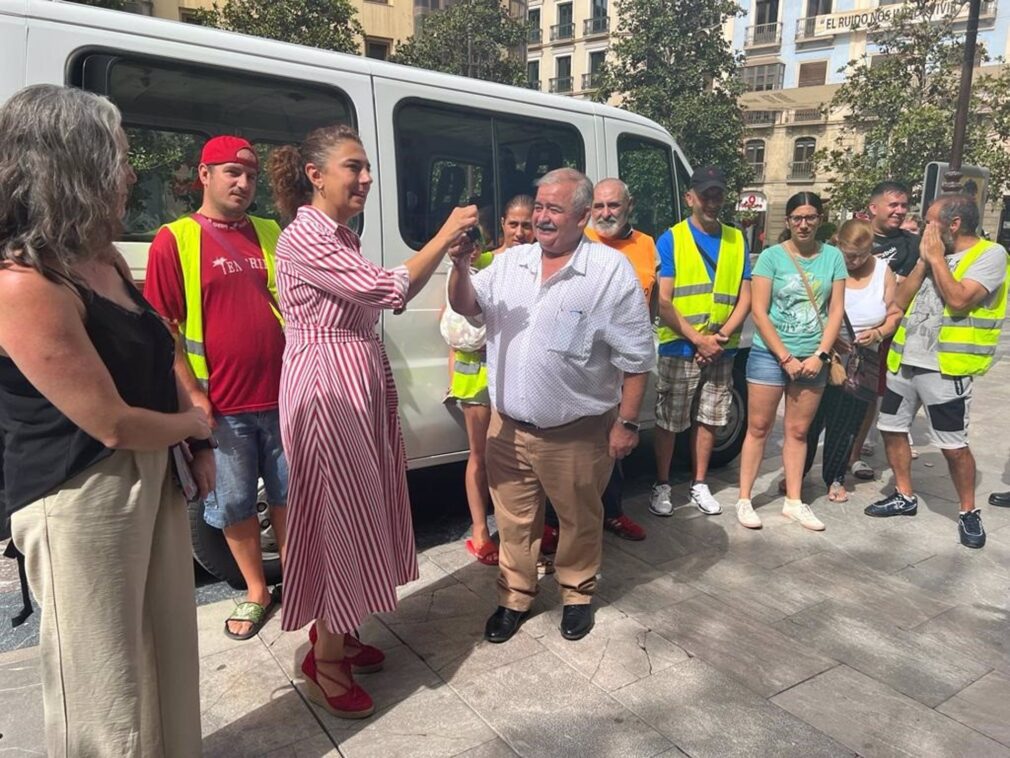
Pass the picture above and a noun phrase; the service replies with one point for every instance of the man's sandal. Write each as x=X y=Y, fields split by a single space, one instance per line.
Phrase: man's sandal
x=254 y=613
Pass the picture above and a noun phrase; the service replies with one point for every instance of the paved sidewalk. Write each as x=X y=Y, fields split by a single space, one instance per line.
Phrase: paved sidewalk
x=876 y=638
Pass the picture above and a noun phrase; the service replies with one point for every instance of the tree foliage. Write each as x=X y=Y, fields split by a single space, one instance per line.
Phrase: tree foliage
x=671 y=63
x=904 y=107
x=326 y=24
x=475 y=38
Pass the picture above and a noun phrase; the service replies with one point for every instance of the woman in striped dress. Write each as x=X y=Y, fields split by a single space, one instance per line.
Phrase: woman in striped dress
x=350 y=541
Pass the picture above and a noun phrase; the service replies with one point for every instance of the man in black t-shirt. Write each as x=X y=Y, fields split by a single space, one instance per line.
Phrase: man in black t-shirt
x=888 y=208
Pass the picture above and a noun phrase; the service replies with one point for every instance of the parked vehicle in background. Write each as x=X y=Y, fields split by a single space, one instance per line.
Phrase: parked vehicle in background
x=436 y=141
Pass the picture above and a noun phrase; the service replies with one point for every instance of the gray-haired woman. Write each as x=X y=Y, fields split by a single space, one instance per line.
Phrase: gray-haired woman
x=88 y=410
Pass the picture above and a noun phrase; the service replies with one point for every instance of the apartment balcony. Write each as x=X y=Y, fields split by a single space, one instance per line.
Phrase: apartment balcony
x=596 y=25
x=801 y=171
x=536 y=37
x=561 y=84
x=759 y=118
x=533 y=85
x=763 y=35
x=806 y=29
x=805 y=116
x=562 y=32
x=758 y=169
x=591 y=81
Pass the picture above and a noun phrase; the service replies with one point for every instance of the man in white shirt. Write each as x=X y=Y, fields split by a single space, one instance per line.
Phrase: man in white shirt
x=569 y=348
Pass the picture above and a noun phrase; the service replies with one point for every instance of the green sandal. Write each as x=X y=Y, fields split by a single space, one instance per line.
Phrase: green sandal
x=254 y=613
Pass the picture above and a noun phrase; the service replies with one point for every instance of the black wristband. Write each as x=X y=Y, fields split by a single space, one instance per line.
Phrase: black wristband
x=195 y=445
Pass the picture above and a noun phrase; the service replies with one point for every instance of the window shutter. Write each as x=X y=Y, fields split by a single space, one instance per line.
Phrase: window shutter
x=813 y=74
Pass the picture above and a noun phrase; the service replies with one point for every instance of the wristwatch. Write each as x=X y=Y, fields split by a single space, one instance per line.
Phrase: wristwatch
x=824 y=356
x=633 y=426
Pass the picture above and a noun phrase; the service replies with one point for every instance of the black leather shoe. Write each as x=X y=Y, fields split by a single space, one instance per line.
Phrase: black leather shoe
x=1002 y=499
x=503 y=623
x=576 y=621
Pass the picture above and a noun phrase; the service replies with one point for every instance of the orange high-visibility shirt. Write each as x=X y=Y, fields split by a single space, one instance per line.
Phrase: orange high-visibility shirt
x=640 y=249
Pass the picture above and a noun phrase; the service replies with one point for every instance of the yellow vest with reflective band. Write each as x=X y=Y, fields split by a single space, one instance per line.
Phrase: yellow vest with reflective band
x=967 y=341
x=705 y=304
x=469 y=369
x=187 y=234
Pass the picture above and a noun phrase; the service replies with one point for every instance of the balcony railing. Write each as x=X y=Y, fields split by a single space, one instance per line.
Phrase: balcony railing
x=762 y=35
x=759 y=118
x=536 y=36
x=562 y=31
x=806 y=115
x=533 y=85
x=806 y=28
x=801 y=170
x=596 y=25
x=561 y=84
x=591 y=80
x=758 y=169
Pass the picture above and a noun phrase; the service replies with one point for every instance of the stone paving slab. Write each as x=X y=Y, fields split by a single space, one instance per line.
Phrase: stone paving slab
x=878 y=637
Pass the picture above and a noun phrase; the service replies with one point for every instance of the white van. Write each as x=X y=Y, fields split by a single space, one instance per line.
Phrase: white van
x=436 y=141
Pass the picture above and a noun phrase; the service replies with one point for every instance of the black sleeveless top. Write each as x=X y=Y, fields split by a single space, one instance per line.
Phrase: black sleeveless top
x=42 y=448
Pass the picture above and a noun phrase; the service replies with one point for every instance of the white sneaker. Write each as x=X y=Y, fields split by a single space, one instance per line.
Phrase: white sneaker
x=660 y=503
x=746 y=515
x=701 y=496
x=797 y=510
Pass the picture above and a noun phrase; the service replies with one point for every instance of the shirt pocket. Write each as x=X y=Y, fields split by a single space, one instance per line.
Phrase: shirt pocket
x=569 y=334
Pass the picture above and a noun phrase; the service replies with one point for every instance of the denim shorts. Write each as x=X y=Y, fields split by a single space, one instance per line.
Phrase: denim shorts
x=764 y=368
x=249 y=448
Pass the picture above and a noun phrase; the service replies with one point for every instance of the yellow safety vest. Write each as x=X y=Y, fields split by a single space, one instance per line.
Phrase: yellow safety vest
x=967 y=341
x=705 y=304
x=469 y=370
x=187 y=241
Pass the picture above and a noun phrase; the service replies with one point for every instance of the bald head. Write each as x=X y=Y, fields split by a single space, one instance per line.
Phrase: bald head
x=612 y=205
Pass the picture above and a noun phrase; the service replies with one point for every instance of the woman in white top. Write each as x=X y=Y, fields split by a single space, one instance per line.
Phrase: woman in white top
x=873 y=316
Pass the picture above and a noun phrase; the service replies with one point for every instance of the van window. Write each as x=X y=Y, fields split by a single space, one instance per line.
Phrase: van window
x=447 y=157
x=646 y=166
x=170 y=109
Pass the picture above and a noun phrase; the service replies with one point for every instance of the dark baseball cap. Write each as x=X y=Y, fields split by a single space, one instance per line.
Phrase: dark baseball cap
x=707 y=177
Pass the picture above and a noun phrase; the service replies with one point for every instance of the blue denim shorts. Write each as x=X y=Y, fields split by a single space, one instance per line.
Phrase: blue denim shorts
x=764 y=368
x=249 y=448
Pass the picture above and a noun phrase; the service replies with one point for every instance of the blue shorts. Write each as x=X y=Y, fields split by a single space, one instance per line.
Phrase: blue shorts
x=764 y=368
x=249 y=448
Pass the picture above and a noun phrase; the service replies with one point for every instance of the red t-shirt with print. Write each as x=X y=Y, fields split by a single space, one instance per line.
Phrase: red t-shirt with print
x=243 y=339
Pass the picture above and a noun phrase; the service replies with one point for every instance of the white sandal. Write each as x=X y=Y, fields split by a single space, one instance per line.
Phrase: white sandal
x=863 y=470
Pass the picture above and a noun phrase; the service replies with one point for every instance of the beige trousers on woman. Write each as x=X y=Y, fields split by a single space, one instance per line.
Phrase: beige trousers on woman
x=108 y=559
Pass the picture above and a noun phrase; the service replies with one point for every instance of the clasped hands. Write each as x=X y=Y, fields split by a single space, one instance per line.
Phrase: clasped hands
x=709 y=348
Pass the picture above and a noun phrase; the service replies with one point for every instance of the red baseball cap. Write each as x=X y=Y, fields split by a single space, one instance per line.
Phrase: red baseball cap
x=227 y=149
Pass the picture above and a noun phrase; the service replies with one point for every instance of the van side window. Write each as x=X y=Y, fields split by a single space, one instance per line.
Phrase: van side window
x=646 y=166
x=683 y=185
x=170 y=109
x=452 y=156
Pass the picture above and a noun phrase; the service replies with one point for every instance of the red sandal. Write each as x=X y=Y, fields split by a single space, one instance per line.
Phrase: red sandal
x=367 y=660
x=355 y=703
x=486 y=555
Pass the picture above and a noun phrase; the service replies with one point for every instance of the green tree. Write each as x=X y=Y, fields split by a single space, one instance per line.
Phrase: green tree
x=327 y=24
x=475 y=38
x=899 y=111
x=671 y=63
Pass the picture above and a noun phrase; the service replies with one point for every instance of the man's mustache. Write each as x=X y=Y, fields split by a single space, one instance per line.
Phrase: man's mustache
x=546 y=226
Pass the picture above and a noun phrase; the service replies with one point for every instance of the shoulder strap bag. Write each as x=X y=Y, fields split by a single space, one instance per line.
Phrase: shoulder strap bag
x=836 y=368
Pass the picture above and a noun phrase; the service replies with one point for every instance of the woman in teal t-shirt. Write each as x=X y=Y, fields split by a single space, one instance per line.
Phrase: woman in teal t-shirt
x=791 y=350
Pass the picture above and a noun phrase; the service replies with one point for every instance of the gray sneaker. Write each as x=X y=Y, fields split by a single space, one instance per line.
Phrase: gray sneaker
x=660 y=503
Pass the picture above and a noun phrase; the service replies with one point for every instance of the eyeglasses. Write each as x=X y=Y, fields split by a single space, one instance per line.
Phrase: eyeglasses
x=800 y=219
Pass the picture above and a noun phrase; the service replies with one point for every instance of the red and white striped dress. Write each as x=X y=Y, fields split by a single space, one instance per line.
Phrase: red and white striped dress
x=350 y=539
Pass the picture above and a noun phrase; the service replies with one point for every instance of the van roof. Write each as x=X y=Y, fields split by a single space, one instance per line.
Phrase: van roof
x=205 y=37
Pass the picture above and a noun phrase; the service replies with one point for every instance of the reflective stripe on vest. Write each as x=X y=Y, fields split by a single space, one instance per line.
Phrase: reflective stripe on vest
x=469 y=377
x=967 y=341
x=187 y=234
x=705 y=304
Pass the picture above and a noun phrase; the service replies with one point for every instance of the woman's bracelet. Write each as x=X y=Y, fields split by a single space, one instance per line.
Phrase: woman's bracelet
x=788 y=357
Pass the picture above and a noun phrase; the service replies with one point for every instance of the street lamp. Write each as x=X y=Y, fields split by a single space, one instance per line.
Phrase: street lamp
x=952 y=176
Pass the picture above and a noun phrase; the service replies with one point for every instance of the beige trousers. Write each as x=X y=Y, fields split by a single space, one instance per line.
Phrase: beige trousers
x=570 y=465
x=108 y=559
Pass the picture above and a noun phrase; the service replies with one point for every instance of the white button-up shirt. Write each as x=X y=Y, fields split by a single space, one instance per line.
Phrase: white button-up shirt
x=558 y=350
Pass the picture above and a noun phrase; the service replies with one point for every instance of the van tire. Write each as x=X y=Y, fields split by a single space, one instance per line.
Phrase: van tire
x=727 y=447
x=211 y=551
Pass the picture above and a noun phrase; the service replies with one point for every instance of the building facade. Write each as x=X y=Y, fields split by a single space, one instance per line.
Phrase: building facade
x=567 y=45
x=795 y=54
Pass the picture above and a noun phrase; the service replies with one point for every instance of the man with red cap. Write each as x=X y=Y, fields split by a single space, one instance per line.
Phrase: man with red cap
x=211 y=274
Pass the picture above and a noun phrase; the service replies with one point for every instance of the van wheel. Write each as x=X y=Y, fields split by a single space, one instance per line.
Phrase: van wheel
x=211 y=550
x=728 y=439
